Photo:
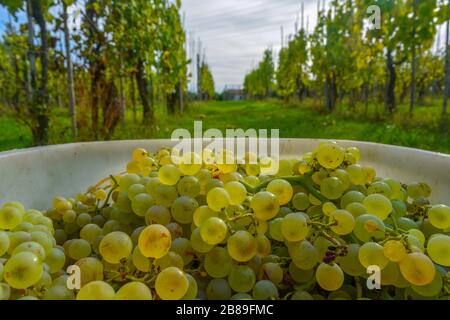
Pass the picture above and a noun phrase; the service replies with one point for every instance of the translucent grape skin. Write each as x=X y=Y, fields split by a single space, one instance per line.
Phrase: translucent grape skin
x=241 y=278
x=116 y=246
x=264 y=290
x=438 y=249
x=218 y=262
x=439 y=216
x=96 y=290
x=171 y=284
x=329 y=276
x=294 y=227
x=155 y=241
x=213 y=230
x=281 y=189
x=417 y=268
x=22 y=270
x=242 y=246
x=265 y=205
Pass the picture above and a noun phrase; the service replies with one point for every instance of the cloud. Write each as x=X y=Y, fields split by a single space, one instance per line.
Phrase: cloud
x=235 y=33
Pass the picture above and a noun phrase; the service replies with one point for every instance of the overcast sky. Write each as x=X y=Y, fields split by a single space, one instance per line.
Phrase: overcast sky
x=235 y=33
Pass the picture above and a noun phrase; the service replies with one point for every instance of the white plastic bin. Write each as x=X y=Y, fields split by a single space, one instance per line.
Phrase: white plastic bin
x=34 y=176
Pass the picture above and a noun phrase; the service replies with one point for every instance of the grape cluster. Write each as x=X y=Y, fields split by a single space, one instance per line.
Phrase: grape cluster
x=198 y=229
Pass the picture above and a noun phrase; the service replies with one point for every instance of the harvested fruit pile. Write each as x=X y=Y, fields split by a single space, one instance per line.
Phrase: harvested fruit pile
x=317 y=229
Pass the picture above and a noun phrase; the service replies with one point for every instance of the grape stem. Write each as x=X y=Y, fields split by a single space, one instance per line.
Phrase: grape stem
x=304 y=181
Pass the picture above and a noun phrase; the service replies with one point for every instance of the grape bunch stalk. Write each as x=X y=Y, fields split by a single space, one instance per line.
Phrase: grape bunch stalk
x=172 y=228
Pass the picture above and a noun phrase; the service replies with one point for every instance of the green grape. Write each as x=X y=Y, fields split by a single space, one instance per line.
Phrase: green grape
x=165 y=195
x=236 y=191
x=380 y=187
x=152 y=185
x=418 y=189
x=10 y=217
x=301 y=295
x=390 y=274
x=22 y=270
x=110 y=226
x=418 y=234
x=275 y=229
x=368 y=226
x=183 y=247
x=241 y=278
x=332 y=188
x=300 y=201
x=252 y=180
x=169 y=174
x=4 y=242
x=281 y=189
x=428 y=229
x=90 y=233
x=271 y=271
x=263 y=245
x=204 y=176
x=241 y=296
x=139 y=261
x=371 y=253
x=329 y=276
x=354 y=152
x=395 y=187
x=116 y=246
x=213 y=230
x=91 y=269
x=438 y=249
x=264 y=290
x=170 y=259
x=350 y=197
x=197 y=242
x=304 y=255
x=356 y=174
x=190 y=163
x=300 y=275
x=417 y=269
x=123 y=202
x=339 y=295
x=328 y=208
x=265 y=205
x=330 y=155
x=203 y=213
x=213 y=183
x=350 y=263
x=378 y=205
x=171 y=284
x=69 y=216
x=218 y=199
x=55 y=260
x=135 y=189
x=183 y=209
x=1 y=271
x=154 y=241
x=24 y=226
x=342 y=175
x=394 y=250
x=406 y=223
x=218 y=289
x=189 y=186
x=432 y=289
x=58 y=292
x=439 y=216
x=343 y=222
x=96 y=290
x=294 y=227
x=141 y=203
x=217 y=262
x=282 y=212
x=5 y=291
x=356 y=209
x=134 y=291
x=127 y=180
x=79 y=248
x=192 y=291
x=33 y=247
x=241 y=246
x=157 y=215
